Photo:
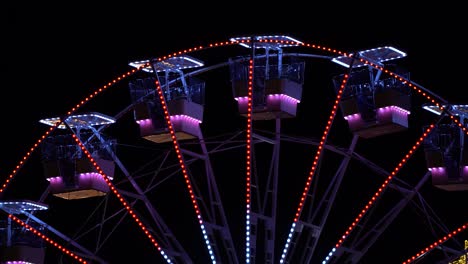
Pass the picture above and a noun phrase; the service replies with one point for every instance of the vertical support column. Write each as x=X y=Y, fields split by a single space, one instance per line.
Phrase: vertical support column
x=9 y=234
x=216 y=221
x=248 y=248
x=272 y=196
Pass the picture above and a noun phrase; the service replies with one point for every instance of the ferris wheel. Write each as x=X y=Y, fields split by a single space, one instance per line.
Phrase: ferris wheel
x=259 y=149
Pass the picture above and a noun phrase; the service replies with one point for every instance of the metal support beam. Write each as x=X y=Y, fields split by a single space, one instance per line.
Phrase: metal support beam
x=360 y=245
x=85 y=253
x=317 y=217
x=215 y=220
x=169 y=242
x=263 y=218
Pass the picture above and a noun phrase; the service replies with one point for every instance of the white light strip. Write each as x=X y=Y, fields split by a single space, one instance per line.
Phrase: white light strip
x=206 y=238
x=456 y=110
x=294 y=40
x=138 y=64
x=274 y=37
x=402 y=54
x=363 y=53
x=247 y=235
x=198 y=63
x=432 y=110
x=288 y=242
x=330 y=254
x=31 y=206
x=104 y=120
x=335 y=60
x=278 y=36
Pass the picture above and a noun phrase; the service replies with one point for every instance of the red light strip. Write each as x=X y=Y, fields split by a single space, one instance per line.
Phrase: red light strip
x=219 y=44
x=182 y=165
x=38 y=142
x=419 y=91
x=396 y=76
x=384 y=185
x=320 y=148
x=87 y=99
x=248 y=160
x=47 y=239
x=18 y=167
x=125 y=204
x=177 y=148
x=24 y=159
x=100 y=90
x=437 y=243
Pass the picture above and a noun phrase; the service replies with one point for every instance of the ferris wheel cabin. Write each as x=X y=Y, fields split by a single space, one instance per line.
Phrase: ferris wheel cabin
x=70 y=172
x=446 y=151
x=184 y=99
x=277 y=79
x=374 y=105
x=18 y=245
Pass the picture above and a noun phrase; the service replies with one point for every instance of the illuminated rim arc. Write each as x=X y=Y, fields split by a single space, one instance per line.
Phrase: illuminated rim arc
x=412 y=85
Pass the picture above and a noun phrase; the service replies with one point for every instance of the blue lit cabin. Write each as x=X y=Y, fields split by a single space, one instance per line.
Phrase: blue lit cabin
x=446 y=156
x=374 y=106
x=184 y=101
x=18 y=245
x=277 y=86
x=70 y=173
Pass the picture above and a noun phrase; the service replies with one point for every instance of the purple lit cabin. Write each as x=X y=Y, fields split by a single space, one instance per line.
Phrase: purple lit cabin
x=373 y=104
x=277 y=88
x=70 y=173
x=17 y=245
x=447 y=158
x=184 y=104
x=374 y=108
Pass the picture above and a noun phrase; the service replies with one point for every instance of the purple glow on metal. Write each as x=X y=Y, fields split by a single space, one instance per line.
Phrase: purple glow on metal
x=93 y=179
x=383 y=111
x=439 y=175
x=283 y=98
x=183 y=123
x=185 y=118
x=86 y=180
x=241 y=99
x=18 y=262
x=384 y=114
x=274 y=103
x=186 y=124
x=55 y=180
x=242 y=104
x=143 y=121
x=282 y=103
x=437 y=170
x=393 y=110
x=146 y=126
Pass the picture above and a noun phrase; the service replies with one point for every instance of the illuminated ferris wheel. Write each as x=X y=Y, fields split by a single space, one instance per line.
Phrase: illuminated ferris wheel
x=270 y=151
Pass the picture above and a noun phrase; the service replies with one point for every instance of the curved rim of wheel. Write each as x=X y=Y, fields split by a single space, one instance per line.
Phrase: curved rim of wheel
x=303 y=217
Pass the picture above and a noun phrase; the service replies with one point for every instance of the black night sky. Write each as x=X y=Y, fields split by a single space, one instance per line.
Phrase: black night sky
x=55 y=56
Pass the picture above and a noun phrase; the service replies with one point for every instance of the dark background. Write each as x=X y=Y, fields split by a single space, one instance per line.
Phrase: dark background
x=54 y=56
